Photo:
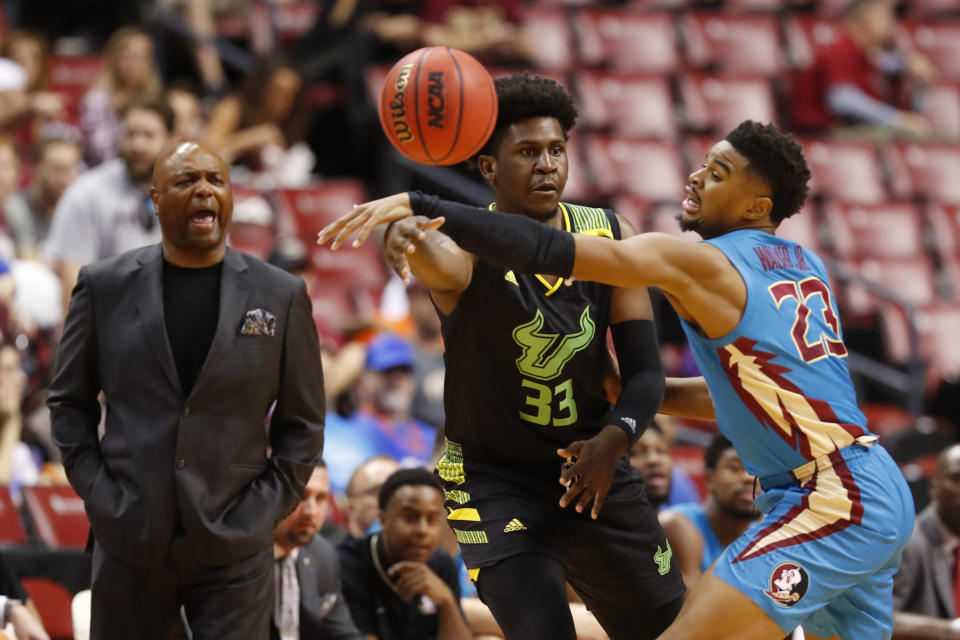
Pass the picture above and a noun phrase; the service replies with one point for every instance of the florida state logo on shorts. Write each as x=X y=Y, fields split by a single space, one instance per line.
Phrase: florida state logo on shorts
x=788 y=584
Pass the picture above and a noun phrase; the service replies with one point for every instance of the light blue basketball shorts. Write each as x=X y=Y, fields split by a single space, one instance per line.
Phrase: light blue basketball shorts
x=825 y=553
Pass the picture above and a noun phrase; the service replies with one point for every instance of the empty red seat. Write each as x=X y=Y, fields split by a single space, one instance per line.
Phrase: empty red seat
x=633 y=208
x=647 y=168
x=54 y=604
x=886 y=230
x=940 y=42
x=845 y=170
x=802 y=228
x=11 y=531
x=74 y=71
x=926 y=170
x=58 y=515
x=933 y=8
x=913 y=279
x=549 y=30
x=580 y=185
x=945 y=222
x=720 y=103
x=630 y=105
x=626 y=39
x=942 y=107
x=312 y=208
x=805 y=35
x=733 y=43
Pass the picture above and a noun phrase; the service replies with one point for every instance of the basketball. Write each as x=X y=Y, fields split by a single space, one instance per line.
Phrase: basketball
x=438 y=106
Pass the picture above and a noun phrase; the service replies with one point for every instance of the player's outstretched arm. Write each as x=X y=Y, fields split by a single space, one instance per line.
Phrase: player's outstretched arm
x=412 y=248
x=688 y=398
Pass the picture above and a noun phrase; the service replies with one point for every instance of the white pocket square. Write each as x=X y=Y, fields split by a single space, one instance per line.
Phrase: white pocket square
x=258 y=322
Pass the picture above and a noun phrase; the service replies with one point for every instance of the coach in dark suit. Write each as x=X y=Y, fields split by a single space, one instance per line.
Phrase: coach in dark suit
x=191 y=344
x=309 y=603
x=925 y=590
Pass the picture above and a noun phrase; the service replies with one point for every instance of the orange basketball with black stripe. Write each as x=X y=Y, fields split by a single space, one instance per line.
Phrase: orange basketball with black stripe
x=438 y=106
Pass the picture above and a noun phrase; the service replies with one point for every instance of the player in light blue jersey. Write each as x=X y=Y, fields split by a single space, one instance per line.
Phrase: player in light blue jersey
x=763 y=324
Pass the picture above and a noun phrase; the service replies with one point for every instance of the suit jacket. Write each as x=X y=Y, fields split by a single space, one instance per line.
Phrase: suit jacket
x=924 y=583
x=200 y=456
x=324 y=614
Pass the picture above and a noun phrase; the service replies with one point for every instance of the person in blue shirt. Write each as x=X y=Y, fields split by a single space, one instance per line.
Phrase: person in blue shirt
x=699 y=532
x=762 y=322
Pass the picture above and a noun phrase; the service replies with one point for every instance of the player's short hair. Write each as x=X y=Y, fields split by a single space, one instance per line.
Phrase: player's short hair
x=415 y=477
x=778 y=160
x=521 y=97
x=714 y=450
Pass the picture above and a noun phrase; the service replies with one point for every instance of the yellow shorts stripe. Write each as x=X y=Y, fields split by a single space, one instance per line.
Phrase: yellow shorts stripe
x=464 y=514
x=470 y=537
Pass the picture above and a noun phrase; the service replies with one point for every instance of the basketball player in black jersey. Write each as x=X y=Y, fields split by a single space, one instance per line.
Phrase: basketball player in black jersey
x=525 y=363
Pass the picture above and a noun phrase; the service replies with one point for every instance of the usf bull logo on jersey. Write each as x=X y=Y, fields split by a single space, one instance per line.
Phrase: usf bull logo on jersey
x=543 y=357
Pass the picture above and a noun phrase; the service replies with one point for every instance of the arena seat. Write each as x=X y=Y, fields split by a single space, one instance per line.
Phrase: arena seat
x=629 y=105
x=938 y=327
x=804 y=34
x=913 y=278
x=942 y=107
x=54 y=604
x=662 y=218
x=74 y=71
x=732 y=43
x=933 y=9
x=581 y=187
x=945 y=223
x=845 y=170
x=58 y=516
x=720 y=103
x=626 y=40
x=885 y=230
x=312 y=208
x=803 y=229
x=746 y=6
x=939 y=42
x=11 y=530
x=648 y=168
x=549 y=28
x=633 y=208
x=926 y=170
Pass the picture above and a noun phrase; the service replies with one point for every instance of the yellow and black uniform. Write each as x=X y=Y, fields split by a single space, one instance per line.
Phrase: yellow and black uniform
x=525 y=362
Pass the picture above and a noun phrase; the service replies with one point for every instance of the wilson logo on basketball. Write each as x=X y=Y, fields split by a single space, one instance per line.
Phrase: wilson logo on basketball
x=398 y=106
x=788 y=584
x=435 y=101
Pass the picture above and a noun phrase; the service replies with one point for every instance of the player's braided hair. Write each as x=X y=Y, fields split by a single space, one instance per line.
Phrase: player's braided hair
x=521 y=97
x=778 y=159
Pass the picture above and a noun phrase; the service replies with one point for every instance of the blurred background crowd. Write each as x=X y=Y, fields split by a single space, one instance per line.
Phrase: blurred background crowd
x=91 y=91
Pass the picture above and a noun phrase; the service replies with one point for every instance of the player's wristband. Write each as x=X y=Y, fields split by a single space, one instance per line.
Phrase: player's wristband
x=641 y=374
x=510 y=241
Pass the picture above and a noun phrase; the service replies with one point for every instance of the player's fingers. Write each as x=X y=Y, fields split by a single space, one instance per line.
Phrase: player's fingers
x=430 y=223
x=598 y=503
x=572 y=450
x=329 y=231
x=585 y=498
x=355 y=219
x=370 y=223
x=573 y=490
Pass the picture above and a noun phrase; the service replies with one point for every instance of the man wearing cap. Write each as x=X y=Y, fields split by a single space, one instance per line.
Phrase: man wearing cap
x=382 y=425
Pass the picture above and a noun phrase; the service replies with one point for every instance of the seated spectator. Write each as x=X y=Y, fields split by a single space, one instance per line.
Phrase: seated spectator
x=698 y=533
x=31 y=50
x=188 y=121
x=15 y=610
x=926 y=597
x=129 y=75
x=108 y=210
x=428 y=365
x=855 y=78
x=490 y=29
x=665 y=485
x=363 y=488
x=9 y=179
x=261 y=125
x=18 y=467
x=382 y=424
x=29 y=212
x=399 y=583
x=308 y=601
